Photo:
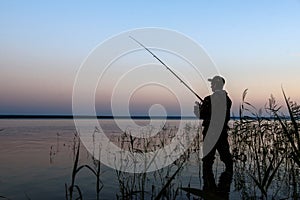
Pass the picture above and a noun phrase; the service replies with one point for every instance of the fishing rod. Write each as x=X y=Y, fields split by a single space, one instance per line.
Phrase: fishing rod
x=168 y=68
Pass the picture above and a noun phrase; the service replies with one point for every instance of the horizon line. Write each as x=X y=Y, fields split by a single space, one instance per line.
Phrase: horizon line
x=41 y=116
x=57 y=116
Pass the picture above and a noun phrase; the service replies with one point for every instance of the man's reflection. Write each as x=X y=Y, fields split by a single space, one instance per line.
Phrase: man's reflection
x=220 y=191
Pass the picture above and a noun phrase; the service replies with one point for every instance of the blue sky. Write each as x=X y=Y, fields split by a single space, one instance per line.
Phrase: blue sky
x=255 y=45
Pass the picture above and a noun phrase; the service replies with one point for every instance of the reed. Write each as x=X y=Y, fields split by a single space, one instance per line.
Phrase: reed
x=70 y=190
x=95 y=169
x=261 y=142
x=265 y=145
x=291 y=130
x=136 y=185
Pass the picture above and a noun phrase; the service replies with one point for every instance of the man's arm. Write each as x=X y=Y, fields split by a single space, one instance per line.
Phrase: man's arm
x=205 y=109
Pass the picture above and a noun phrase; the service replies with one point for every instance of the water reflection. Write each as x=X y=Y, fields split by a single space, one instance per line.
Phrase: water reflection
x=211 y=190
x=222 y=190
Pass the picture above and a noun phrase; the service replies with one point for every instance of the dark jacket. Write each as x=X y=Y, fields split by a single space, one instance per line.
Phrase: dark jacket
x=205 y=108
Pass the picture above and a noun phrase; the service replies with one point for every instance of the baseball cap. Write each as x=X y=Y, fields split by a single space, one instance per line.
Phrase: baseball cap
x=217 y=79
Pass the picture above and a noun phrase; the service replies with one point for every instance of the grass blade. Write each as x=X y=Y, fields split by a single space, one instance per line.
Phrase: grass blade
x=167 y=184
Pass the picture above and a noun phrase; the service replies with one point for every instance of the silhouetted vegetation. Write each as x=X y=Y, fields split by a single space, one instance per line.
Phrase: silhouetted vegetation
x=264 y=142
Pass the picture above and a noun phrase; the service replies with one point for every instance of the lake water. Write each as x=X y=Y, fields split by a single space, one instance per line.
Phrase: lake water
x=37 y=158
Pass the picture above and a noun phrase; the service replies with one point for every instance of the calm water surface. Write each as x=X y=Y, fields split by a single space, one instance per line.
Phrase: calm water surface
x=37 y=157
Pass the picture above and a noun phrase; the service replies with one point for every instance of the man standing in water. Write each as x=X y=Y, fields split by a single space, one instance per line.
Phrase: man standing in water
x=215 y=112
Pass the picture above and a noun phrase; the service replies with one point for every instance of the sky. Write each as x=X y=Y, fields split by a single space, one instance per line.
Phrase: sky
x=254 y=45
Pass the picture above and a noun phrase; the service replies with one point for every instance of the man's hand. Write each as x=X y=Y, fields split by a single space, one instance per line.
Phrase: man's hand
x=197 y=109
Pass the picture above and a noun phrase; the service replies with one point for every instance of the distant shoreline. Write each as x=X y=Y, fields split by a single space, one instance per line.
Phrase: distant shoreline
x=106 y=117
x=90 y=117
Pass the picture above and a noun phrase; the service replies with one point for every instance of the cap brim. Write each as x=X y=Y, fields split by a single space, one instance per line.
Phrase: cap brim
x=210 y=79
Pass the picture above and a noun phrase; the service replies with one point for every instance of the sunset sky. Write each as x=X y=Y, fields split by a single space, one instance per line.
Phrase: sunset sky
x=254 y=44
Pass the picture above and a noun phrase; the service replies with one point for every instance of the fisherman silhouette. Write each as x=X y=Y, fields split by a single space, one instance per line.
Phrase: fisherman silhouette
x=204 y=111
